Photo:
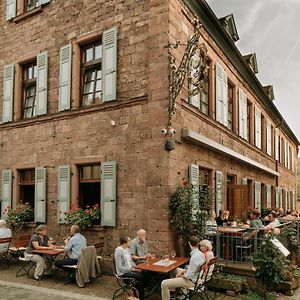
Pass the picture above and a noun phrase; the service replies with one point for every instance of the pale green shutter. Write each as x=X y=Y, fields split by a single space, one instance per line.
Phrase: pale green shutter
x=109 y=71
x=194 y=99
x=6 y=191
x=194 y=180
x=64 y=101
x=8 y=93
x=257 y=195
x=219 y=92
x=269 y=196
x=63 y=192
x=257 y=127
x=244 y=181
x=225 y=100
x=11 y=7
x=42 y=83
x=219 y=178
x=269 y=138
x=280 y=198
x=108 y=193
x=40 y=195
x=277 y=197
x=276 y=144
x=44 y=1
x=242 y=114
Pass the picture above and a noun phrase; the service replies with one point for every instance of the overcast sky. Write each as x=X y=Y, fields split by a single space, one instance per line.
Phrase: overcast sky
x=271 y=29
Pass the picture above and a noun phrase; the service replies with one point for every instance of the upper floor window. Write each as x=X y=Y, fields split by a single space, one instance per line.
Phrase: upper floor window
x=31 y=4
x=248 y=119
x=91 y=70
x=29 y=90
x=230 y=105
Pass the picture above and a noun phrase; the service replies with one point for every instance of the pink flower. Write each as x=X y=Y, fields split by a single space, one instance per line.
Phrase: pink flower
x=185 y=182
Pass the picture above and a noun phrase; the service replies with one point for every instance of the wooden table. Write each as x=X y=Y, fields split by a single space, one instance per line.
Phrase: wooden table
x=149 y=266
x=50 y=254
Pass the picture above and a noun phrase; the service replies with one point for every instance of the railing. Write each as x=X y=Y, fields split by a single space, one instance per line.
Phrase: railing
x=230 y=245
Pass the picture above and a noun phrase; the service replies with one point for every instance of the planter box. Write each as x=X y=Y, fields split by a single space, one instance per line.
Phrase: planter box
x=287 y=287
x=221 y=282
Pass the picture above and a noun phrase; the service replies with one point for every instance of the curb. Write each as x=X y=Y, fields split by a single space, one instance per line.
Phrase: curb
x=53 y=292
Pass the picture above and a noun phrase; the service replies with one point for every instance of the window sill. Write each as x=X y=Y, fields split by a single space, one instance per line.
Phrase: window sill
x=96 y=228
x=30 y=225
x=28 y=14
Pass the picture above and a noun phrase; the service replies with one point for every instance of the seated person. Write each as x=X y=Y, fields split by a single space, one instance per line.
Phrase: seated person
x=125 y=266
x=4 y=233
x=211 y=223
x=39 y=241
x=222 y=218
x=255 y=222
x=139 y=247
x=206 y=249
x=185 y=278
x=273 y=222
x=73 y=246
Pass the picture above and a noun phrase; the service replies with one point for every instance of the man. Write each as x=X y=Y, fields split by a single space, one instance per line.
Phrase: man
x=139 y=247
x=185 y=278
x=255 y=222
x=73 y=246
x=4 y=233
x=273 y=222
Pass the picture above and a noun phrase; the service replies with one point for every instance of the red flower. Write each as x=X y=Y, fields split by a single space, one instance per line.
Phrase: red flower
x=185 y=182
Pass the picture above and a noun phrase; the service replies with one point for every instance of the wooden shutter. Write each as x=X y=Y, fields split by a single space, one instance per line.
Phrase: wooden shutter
x=219 y=92
x=257 y=127
x=242 y=114
x=6 y=191
x=8 y=93
x=109 y=71
x=11 y=7
x=194 y=180
x=108 y=193
x=40 y=195
x=277 y=197
x=269 y=138
x=63 y=192
x=276 y=144
x=64 y=100
x=42 y=83
x=269 y=196
x=257 y=193
x=219 y=178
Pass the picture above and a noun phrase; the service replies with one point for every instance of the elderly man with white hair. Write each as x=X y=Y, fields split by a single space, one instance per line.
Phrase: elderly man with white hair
x=4 y=233
x=139 y=247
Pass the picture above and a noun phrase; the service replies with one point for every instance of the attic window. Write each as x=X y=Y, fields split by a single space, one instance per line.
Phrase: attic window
x=269 y=91
x=252 y=62
x=228 y=24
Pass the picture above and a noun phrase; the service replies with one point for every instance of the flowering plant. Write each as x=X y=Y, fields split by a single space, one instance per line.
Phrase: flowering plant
x=84 y=218
x=19 y=216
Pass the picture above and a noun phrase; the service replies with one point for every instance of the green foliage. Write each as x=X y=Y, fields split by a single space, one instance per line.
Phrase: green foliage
x=84 y=218
x=289 y=235
x=19 y=216
x=182 y=220
x=269 y=264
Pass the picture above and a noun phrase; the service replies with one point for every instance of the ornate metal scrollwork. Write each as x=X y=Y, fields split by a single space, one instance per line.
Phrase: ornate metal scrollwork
x=194 y=62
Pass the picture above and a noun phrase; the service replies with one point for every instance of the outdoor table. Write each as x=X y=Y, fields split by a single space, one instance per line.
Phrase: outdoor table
x=152 y=266
x=50 y=254
x=229 y=232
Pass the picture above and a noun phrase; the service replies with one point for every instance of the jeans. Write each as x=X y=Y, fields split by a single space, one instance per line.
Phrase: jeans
x=66 y=261
x=140 y=282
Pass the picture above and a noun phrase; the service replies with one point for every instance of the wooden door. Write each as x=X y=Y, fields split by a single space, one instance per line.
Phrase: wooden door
x=237 y=200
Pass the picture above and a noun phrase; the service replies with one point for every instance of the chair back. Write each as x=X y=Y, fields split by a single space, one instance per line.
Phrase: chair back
x=4 y=244
x=23 y=241
x=99 y=248
x=211 y=267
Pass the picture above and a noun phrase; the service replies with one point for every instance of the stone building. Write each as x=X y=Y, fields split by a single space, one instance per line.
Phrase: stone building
x=91 y=114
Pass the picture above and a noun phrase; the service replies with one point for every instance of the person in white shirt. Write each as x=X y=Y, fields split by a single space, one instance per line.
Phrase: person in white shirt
x=4 y=233
x=273 y=222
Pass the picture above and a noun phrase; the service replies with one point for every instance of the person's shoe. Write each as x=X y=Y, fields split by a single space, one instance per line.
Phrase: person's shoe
x=38 y=278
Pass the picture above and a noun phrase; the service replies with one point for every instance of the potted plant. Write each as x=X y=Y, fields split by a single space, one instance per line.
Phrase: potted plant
x=84 y=218
x=17 y=217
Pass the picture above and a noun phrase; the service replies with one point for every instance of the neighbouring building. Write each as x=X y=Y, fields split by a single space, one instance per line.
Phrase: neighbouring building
x=95 y=109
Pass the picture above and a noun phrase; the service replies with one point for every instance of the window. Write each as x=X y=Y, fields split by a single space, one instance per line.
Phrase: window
x=204 y=185
x=91 y=71
x=29 y=90
x=31 y=4
x=199 y=97
x=248 y=120
x=27 y=186
x=230 y=105
x=89 y=185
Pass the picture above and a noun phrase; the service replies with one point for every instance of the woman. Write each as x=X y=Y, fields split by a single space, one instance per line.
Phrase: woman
x=39 y=241
x=211 y=223
x=206 y=249
x=4 y=233
x=125 y=266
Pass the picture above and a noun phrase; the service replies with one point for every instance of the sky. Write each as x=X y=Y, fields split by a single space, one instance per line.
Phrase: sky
x=271 y=29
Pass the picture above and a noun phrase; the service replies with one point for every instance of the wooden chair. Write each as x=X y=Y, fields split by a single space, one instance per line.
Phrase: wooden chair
x=4 y=250
x=99 y=249
x=203 y=278
x=25 y=265
x=19 y=247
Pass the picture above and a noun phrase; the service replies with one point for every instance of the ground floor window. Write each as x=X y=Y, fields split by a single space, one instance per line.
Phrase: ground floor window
x=27 y=187
x=89 y=185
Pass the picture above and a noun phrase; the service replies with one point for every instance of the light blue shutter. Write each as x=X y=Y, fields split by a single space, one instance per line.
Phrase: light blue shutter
x=63 y=192
x=40 y=195
x=269 y=196
x=194 y=99
x=276 y=144
x=64 y=101
x=257 y=196
x=109 y=65
x=42 y=83
x=44 y=1
x=8 y=93
x=280 y=198
x=108 y=193
x=244 y=181
x=219 y=178
x=225 y=100
x=242 y=114
x=277 y=197
x=269 y=138
x=194 y=180
x=257 y=127
x=219 y=92
x=11 y=8
x=6 y=191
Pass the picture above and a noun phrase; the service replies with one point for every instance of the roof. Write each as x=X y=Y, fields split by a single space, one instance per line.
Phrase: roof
x=212 y=25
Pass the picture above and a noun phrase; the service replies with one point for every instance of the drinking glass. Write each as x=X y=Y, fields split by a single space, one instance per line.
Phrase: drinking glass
x=167 y=259
x=173 y=253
